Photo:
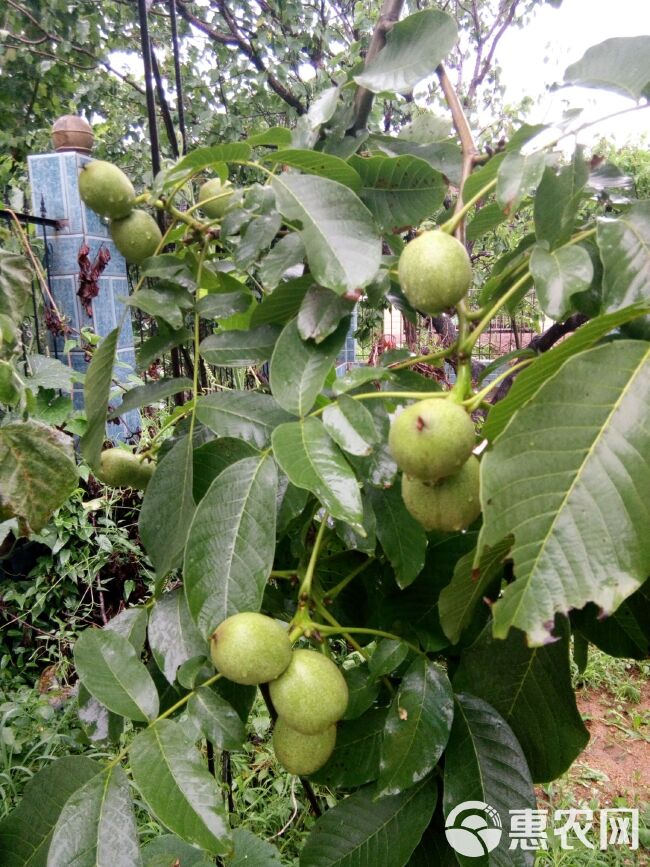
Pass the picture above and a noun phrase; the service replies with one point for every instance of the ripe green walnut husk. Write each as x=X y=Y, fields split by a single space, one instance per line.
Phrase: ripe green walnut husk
x=121 y=469
x=211 y=189
x=106 y=190
x=136 y=237
x=432 y=439
x=312 y=693
x=434 y=271
x=300 y=753
x=450 y=505
x=250 y=648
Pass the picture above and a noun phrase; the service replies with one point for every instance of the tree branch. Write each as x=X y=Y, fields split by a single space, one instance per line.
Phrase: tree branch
x=164 y=107
x=542 y=343
x=390 y=12
x=487 y=63
x=467 y=143
x=216 y=35
x=250 y=52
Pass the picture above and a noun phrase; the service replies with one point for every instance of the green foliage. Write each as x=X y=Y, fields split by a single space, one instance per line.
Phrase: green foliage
x=282 y=498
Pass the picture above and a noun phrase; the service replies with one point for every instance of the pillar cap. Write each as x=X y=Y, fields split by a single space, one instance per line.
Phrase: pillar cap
x=72 y=133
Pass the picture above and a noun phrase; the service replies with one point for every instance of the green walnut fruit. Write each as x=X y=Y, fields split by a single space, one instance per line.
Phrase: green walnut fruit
x=122 y=469
x=637 y=329
x=432 y=439
x=312 y=693
x=250 y=648
x=300 y=753
x=434 y=271
x=217 y=207
x=106 y=190
x=136 y=237
x=450 y=505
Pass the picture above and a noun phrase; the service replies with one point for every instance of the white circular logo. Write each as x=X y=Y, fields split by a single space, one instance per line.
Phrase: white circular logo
x=473 y=828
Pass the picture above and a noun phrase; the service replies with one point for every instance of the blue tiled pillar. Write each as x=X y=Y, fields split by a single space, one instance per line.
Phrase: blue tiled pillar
x=54 y=178
x=348 y=355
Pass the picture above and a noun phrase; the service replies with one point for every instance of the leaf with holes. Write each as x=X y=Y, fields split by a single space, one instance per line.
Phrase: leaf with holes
x=585 y=449
x=417 y=727
x=307 y=454
x=625 y=633
x=37 y=472
x=176 y=784
x=231 y=543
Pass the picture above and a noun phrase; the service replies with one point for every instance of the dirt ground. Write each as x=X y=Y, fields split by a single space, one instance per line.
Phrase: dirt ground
x=615 y=766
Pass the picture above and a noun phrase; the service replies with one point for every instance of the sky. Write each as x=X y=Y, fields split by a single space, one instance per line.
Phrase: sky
x=535 y=57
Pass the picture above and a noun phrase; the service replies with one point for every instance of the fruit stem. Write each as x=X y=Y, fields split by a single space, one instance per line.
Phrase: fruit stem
x=463 y=386
x=475 y=401
x=453 y=222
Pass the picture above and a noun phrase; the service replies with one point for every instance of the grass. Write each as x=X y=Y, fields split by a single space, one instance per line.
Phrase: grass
x=35 y=729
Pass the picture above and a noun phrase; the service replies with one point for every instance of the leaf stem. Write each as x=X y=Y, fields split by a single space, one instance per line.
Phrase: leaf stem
x=305 y=586
x=338 y=588
x=452 y=223
x=492 y=311
x=361 y=630
x=475 y=401
x=424 y=359
x=170 y=710
x=197 y=341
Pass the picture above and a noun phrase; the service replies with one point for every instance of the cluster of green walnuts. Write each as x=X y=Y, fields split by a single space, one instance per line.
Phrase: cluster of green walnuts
x=106 y=190
x=308 y=691
x=432 y=440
